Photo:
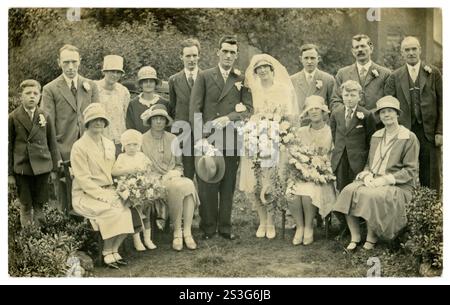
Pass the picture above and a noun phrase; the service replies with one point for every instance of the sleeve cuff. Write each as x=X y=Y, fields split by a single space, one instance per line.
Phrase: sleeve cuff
x=390 y=179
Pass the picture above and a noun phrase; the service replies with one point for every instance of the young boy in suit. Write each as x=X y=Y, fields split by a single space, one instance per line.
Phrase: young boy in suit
x=352 y=127
x=32 y=153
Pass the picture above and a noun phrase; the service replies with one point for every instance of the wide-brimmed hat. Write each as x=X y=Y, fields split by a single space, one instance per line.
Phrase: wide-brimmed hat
x=210 y=169
x=113 y=63
x=262 y=62
x=314 y=101
x=388 y=101
x=131 y=136
x=94 y=111
x=148 y=72
x=155 y=110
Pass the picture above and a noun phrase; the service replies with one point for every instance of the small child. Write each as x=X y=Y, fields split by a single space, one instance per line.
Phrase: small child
x=131 y=161
x=33 y=154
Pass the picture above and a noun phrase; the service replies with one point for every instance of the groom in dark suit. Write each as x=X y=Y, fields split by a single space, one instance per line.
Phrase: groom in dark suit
x=220 y=98
x=180 y=87
x=418 y=87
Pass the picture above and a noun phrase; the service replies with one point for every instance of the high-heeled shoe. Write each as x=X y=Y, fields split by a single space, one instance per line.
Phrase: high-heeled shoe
x=110 y=261
x=177 y=243
x=298 y=238
x=119 y=259
x=190 y=242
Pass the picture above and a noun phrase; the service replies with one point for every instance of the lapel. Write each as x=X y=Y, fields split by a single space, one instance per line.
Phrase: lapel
x=228 y=85
x=96 y=155
x=369 y=75
x=312 y=88
x=35 y=126
x=340 y=117
x=217 y=77
x=354 y=74
x=24 y=118
x=404 y=82
x=302 y=83
x=354 y=120
x=182 y=83
x=66 y=93
x=423 y=76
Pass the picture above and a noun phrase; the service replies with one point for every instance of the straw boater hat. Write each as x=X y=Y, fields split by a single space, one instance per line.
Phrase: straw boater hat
x=210 y=169
x=94 y=111
x=155 y=110
x=148 y=72
x=314 y=101
x=131 y=136
x=388 y=101
x=113 y=63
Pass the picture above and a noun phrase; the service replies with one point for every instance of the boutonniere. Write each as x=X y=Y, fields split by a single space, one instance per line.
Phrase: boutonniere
x=375 y=73
x=238 y=85
x=42 y=120
x=360 y=115
x=237 y=72
x=428 y=69
x=86 y=86
x=319 y=84
x=240 y=107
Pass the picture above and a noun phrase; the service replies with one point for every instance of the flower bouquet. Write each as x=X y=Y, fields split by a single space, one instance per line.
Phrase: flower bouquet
x=140 y=189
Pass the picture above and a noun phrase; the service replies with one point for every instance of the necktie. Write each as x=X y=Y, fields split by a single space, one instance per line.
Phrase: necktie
x=30 y=114
x=362 y=74
x=310 y=79
x=348 y=117
x=190 y=80
x=73 y=89
x=413 y=74
x=225 y=76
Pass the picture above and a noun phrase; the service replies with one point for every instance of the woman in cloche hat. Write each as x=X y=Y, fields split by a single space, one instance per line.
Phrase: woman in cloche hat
x=158 y=145
x=93 y=194
x=380 y=193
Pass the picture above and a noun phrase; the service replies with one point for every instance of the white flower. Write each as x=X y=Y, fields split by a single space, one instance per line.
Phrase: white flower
x=375 y=73
x=86 y=86
x=428 y=69
x=360 y=115
x=277 y=117
x=238 y=85
x=42 y=120
x=319 y=84
x=237 y=72
x=240 y=107
x=285 y=126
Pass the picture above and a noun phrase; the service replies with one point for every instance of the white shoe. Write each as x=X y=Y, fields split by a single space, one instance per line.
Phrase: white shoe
x=190 y=243
x=150 y=245
x=261 y=232
x=298 y=238
x=270 y=232
x=138 y=243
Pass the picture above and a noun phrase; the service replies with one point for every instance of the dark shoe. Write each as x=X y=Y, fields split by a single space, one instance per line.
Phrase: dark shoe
x=229 y=236
x=112 y=265
x=119 y=259
x=207 y=236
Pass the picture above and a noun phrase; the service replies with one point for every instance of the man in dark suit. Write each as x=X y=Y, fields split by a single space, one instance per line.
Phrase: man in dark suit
x=180 y=87
x=369 y=75
x=418 y=87
x=219 y=98
x=32 y=153
x=64 y=100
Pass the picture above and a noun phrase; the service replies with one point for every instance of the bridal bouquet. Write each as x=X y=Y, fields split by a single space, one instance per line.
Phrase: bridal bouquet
x=140 y=189
x=309 y=164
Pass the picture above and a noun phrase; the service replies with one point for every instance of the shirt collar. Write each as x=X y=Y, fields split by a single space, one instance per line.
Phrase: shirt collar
x=416 y=66
x=366 y=66
x=149 y=103
x=194 y=73
x=312 y=74
x=32 y=110
x=69 y=81
x=222 y=71
x=353 y=109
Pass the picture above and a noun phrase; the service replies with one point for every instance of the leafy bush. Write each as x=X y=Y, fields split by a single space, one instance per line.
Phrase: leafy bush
x=425 y=223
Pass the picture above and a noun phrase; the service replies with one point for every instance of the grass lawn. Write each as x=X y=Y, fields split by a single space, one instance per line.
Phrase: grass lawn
x=249 y=256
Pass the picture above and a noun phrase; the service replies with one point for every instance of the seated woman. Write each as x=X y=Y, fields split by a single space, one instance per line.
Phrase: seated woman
x=305 y=196
x=379 y=193
x=93 y=194
x=182 y=196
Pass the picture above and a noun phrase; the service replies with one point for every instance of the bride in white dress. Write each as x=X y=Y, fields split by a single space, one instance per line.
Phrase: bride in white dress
x=272 y=92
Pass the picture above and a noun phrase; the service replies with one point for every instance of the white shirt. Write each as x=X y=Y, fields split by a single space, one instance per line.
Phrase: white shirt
x=366 y=67
x=222 y=71
x=311 y=75
x=414 y=74
x=69 y=81
x=353 y=111
x=30 y=110
x=193 y=73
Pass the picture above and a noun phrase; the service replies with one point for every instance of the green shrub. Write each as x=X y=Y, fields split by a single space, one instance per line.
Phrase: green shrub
x=425 y=219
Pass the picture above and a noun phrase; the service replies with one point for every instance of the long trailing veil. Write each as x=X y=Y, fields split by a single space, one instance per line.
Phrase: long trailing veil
x=281 y=95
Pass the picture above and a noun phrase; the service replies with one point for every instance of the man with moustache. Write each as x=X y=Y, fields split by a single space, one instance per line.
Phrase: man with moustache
x=371 y=76
x=311 y=80
x=418 y=87
x=180 y=87
x=220 y=98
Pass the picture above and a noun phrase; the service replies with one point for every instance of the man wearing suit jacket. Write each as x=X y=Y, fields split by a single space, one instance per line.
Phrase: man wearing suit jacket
x=418 y=87
x=32 y=151
x=311 y=80
x=64 y=100
x=371 y=76
x=180 y=87
x=220 y=98
x=352 y=127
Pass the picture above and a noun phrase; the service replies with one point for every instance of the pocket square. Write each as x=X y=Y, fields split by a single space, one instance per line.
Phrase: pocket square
x=359 y=126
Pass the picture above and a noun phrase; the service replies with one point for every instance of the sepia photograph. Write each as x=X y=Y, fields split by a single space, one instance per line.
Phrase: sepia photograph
x=225 y=142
